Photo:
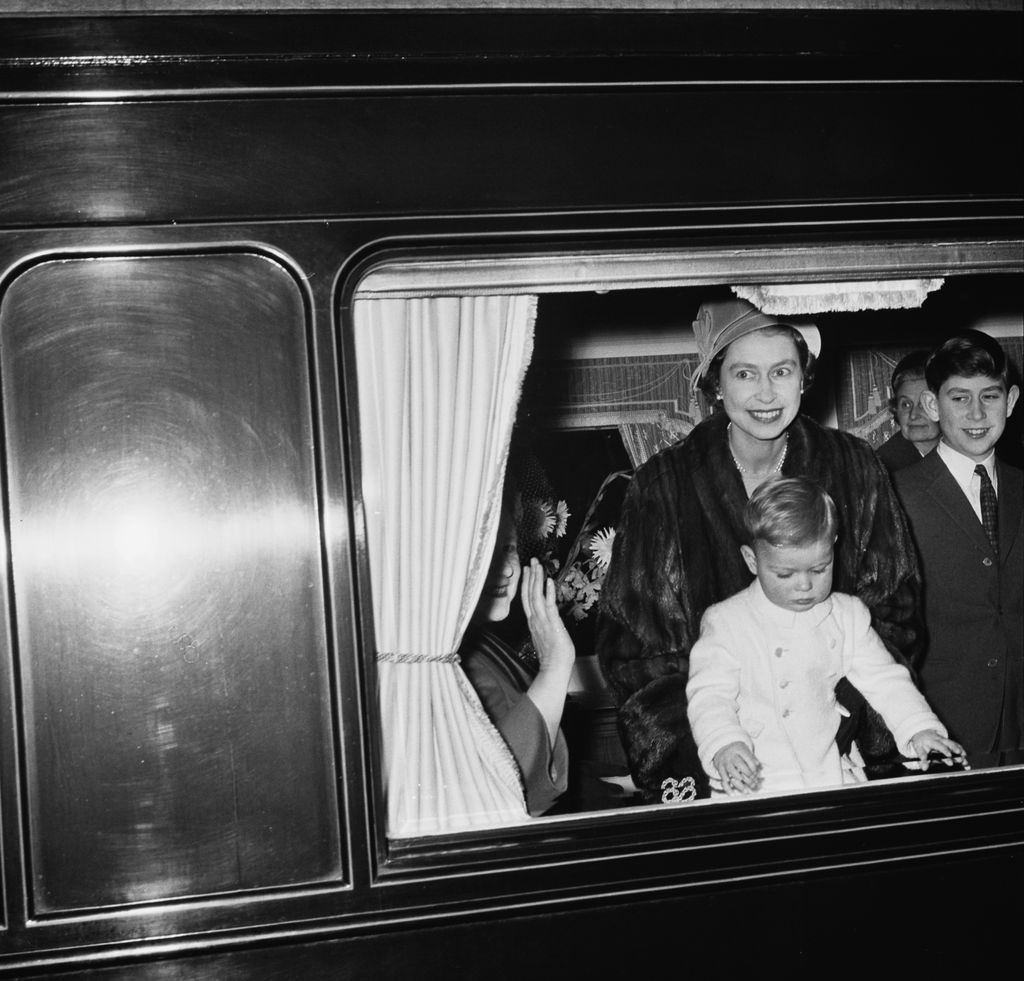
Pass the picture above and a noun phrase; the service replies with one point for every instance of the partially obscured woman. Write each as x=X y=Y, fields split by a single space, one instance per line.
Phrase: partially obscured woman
x=917 y=434
x=524 y=697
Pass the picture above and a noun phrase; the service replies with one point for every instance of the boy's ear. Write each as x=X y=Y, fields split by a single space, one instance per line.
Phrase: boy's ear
x=750 y=557
x=930 y=404
x=1011 y=398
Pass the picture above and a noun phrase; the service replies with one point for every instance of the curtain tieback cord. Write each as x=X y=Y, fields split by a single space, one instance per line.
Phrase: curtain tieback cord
x=398 y=657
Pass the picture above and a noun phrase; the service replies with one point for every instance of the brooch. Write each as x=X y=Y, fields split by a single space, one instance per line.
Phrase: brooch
x=678 y=791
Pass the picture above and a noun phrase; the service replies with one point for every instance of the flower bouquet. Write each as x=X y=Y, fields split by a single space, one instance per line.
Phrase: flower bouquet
x=580 y=578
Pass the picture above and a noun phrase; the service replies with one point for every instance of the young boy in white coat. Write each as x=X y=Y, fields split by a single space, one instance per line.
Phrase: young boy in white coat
x=761 y=690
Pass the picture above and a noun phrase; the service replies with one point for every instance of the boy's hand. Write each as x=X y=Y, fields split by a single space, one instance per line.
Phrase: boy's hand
x=929 y=741
x=738 y=767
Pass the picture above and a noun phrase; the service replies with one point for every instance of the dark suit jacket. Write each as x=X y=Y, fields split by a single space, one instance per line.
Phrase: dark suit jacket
x=973 y=600
x=897 y=452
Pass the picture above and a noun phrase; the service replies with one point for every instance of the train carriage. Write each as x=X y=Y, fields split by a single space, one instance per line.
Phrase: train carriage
x=276 y=288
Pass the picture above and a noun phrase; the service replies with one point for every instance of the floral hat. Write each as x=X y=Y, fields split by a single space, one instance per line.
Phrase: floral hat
x=540 y=517
x=720 y=322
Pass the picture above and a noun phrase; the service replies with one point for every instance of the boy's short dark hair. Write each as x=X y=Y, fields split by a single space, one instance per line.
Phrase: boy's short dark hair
x=968 y=354
x=909 y=368
x=790 y=511
x=710 y=381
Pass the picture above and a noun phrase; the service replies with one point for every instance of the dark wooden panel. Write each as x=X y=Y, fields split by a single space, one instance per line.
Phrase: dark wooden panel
x=798 y=924
x=417 y=46
x=416 y=154
x=167 y=579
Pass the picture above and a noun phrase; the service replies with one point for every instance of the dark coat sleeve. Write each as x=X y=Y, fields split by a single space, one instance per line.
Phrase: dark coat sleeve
x=502 y=690
x=645 y=632
x=876 y=560
x=897 y=452
x=676 y=552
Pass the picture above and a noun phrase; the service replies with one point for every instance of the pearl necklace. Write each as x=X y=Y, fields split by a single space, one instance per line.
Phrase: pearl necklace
x=743 y=470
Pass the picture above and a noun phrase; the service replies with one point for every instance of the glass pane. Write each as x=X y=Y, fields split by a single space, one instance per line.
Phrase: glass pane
x=603 y=369
x=610 y=385
x=168 y=589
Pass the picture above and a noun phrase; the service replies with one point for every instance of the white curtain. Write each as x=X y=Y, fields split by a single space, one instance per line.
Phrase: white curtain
x=439 y=381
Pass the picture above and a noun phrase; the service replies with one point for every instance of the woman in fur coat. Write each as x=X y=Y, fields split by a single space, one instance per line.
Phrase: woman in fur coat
x=677 y=549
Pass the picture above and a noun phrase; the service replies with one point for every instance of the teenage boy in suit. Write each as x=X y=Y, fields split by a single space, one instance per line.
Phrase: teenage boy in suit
x=966 y=508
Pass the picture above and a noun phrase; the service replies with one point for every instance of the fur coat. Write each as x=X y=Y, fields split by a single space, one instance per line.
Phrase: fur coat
x=677 y=552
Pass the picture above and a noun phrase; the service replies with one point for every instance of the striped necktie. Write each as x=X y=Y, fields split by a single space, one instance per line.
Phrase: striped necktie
x=989 y=508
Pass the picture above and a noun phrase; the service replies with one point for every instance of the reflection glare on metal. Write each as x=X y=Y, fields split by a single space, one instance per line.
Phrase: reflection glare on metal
x=168 y=593
x=142 y=549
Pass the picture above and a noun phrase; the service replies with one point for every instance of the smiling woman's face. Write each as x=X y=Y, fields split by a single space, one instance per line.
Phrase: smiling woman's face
x=502 y=581
x=760 y=382
x=910 y=415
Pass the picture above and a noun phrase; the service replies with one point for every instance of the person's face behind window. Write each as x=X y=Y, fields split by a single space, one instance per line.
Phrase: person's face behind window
x=972 y=413
x=910 y=414
x=760 y=382
x=502 y=581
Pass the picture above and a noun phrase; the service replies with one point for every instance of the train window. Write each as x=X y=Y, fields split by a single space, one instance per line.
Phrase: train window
x=161 y=474
x=525 y=391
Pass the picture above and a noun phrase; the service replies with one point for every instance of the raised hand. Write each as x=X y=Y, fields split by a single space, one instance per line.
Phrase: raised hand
x=551 y=640
x=555 y=649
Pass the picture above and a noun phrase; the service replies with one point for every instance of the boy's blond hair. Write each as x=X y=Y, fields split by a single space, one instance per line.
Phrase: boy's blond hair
x=790 y=511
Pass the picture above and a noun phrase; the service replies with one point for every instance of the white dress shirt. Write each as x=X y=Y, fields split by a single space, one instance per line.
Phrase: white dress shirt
x=962 y=469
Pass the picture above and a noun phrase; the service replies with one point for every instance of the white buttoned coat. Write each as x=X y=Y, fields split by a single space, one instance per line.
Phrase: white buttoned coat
x=766 y=676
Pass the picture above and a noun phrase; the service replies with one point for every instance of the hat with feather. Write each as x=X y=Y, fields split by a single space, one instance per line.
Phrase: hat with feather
x=720 y=322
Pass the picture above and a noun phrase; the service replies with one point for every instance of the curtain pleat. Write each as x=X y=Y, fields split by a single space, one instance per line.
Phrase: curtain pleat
x=439 y=381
